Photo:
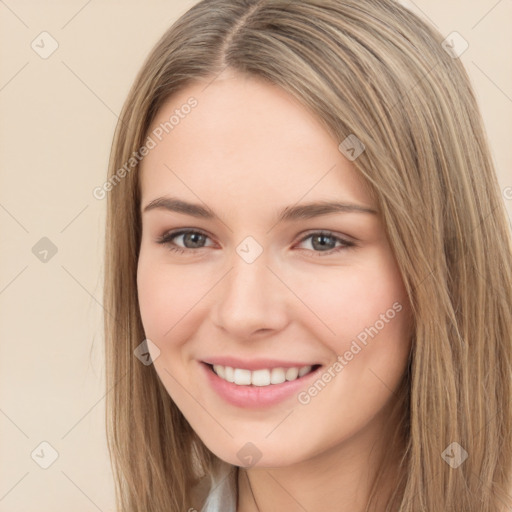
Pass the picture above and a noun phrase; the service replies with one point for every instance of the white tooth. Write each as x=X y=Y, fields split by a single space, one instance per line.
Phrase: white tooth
x=219 y=370
x=229 y=374
x=263 y=377
x=291 y=373
x=304 y=370
x=242 y=377
x=277 y=376
x=260 y=378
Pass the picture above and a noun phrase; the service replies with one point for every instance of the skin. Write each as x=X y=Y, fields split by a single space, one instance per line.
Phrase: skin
x=248 y=150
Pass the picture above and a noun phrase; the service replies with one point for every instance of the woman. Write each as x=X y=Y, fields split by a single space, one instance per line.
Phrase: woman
x=308 y=276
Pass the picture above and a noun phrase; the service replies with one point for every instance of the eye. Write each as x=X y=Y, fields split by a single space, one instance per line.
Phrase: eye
x=195 y=238
x=326 y=242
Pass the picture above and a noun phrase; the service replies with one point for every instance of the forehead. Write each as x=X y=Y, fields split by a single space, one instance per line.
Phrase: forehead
x=245 y=139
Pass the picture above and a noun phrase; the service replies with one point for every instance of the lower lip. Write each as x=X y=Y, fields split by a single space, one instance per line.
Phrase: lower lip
x=256 y=396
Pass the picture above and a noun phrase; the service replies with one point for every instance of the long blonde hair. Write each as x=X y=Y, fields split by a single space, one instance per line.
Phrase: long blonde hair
x=373 y=69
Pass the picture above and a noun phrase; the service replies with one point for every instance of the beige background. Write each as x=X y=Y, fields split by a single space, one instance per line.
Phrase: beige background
x=57 y=119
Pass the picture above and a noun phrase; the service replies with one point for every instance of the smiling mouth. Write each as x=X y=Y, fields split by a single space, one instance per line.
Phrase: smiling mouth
x=262 y=377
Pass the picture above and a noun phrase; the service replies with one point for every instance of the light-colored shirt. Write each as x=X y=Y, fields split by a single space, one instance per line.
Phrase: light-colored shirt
x=222 y=493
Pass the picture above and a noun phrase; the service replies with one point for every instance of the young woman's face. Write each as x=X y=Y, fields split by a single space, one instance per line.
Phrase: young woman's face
x=253 y=277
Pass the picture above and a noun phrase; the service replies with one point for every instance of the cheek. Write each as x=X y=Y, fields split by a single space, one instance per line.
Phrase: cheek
x=168 y=299
x=368 y=310
x=367 y=313
x=349 y=300
x=166 y=295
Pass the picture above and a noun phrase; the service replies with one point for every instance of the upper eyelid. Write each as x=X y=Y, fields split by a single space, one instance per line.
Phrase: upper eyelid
x=174 y=234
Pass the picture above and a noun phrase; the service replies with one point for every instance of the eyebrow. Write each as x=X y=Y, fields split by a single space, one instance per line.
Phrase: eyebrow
x=290 y=213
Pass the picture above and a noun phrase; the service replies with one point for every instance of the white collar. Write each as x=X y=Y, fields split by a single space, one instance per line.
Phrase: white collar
x=222 y=494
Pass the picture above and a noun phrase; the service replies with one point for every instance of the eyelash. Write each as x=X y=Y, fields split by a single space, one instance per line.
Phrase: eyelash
x=167 y=237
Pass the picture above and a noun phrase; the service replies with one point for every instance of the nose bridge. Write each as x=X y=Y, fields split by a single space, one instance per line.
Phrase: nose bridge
x=248 y=277
x=248 y=283
x=249 y=297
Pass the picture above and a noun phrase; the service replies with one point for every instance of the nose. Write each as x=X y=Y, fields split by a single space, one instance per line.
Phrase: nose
x=250 y=299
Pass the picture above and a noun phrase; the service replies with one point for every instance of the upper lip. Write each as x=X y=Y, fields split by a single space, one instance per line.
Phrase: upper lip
x=255 y=363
